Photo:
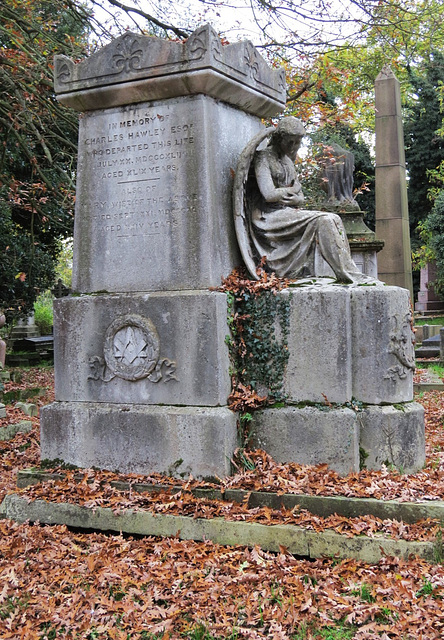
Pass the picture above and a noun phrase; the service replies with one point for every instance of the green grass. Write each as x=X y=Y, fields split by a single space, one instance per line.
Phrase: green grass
x=436 y=368
x=420 y=323
x=43 y=314
x=338 y=631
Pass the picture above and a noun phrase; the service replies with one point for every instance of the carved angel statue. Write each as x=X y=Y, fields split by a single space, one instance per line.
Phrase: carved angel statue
x=270 y=219
x=337 y=166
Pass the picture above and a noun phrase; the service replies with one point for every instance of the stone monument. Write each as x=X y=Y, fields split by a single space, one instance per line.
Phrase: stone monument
x=141 y=365
x=295 y=241
x=428 y=300
x=348 y=384
x=392 y=215
x=337 y=166
x=2 y=342
x=336 y=179
x=141 y=362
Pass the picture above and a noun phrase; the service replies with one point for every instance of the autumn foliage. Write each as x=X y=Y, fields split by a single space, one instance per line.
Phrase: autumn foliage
x=57 y=583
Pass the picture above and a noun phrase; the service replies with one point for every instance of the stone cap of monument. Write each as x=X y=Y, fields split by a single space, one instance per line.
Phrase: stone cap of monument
x=386 y=73
x=137 y=68
x=388 y=97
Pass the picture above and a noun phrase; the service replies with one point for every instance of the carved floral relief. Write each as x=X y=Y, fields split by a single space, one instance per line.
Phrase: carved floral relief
x=402 y=347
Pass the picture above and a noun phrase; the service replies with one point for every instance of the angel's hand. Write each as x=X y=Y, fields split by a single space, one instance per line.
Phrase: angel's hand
x=293 y=199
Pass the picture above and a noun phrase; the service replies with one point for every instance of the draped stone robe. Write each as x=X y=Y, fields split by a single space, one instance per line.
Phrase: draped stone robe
x=288 y=235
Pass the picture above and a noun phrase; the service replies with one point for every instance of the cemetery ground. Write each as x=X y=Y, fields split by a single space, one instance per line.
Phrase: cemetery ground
x=57 y=582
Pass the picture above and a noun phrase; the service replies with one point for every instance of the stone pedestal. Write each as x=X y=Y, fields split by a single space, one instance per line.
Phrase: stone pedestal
x=141 y=364
x=363 y=244
x=348 y=383
x=25 y=328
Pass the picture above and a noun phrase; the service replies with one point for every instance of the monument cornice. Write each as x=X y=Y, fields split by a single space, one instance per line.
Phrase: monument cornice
x=147 y=68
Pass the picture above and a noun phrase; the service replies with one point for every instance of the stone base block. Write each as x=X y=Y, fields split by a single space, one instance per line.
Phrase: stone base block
x=319 y=344
x=348 y=341
x=393 y=435
x=382 y=345
x=163 y=348
x=140 y=439
x=309 y=435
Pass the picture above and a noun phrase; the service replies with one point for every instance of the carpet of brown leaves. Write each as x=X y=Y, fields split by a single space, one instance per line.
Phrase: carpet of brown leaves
x=55 y=583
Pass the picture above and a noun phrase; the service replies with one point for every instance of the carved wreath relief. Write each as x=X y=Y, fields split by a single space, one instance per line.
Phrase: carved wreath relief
x=401 y=346
x=131 y=351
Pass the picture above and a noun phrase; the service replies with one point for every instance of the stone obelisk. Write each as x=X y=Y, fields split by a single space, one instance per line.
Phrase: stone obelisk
x=392 y=217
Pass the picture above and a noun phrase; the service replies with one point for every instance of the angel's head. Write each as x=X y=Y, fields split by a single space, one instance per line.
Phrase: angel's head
x=288 y=136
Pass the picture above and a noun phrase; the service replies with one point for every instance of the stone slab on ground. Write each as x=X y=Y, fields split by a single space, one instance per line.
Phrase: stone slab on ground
x=134 y=438
x=428 y=386
x=428 y=380
x=324 y=506
x=296 y=540
x=9 y=432
x=427 y=352
x=22 y=395
x=28 y=408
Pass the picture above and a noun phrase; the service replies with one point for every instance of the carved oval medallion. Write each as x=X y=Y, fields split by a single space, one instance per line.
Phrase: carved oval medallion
x=131 y=347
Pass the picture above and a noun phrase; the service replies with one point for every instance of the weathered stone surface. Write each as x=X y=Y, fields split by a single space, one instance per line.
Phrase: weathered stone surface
x=153 y=206
x=319 y=344
x=28 y=408
x=296 y=540
x=366 y=261
x=392 y=216
x=393 y=435
x=2 y=410
x=382 y=345
x=324 y=506
x=158 y=348
x=11 y=430
x=135 y=68
x=135 y=438
x=309 y=435
x=370 y=550
x=349 y=341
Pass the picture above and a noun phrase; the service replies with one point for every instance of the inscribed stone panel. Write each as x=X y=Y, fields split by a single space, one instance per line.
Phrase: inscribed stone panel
x=153 y=199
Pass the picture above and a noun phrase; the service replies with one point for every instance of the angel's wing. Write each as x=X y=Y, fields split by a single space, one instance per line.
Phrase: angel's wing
x=240 y=209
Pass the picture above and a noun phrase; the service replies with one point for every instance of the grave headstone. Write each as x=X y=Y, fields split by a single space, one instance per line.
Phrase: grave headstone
x=428 y=300
x=141 y=365
x=2 y=342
